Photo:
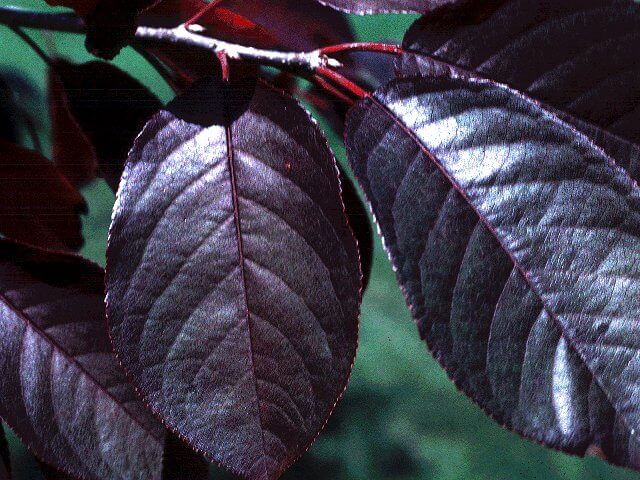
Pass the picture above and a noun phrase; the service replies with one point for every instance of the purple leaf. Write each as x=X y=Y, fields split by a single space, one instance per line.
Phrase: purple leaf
x=37 y=204
x=546 y=49
x=512 y=235
x=232 y=276
x=62 y=389
x=368 y=7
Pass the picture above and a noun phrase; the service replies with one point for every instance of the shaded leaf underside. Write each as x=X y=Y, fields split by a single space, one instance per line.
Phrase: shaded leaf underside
x=62 y=389
x=547 y=345
x=233 y=281
x=37 y=204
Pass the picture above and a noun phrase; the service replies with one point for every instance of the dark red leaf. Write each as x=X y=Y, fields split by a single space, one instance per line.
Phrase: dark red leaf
x=72 y=150
x=8 y=130
x=512 y=235
x=359 y=223
x=62 y=389
x=296 y=24
x=109 y=106
x=368 y=7
x=37 y=204
x=112 y=23
x=232 y=276
x=181 y=462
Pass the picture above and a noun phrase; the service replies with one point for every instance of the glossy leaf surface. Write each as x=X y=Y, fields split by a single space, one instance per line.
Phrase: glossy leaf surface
x=101 y=104
x=548 y=50
x=62 y=389
x=514 y=239
x=232 y=276
x=37 y=204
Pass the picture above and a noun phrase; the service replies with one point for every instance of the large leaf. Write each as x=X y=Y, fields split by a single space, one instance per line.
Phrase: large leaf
x=37 y=204
x=514 y=238
x=547 y=49
x=232 y=276
x=96 y=107
x=62 y=389
x=391 y=6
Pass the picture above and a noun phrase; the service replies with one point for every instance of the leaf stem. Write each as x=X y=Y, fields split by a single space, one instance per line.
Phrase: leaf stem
x=389 y=48
x=341 y=81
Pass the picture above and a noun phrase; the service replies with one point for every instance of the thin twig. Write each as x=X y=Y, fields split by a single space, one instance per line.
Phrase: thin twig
x=149 y=36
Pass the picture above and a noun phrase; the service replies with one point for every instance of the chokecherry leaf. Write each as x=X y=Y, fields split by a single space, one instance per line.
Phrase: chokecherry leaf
x=102 y=109
x=112 y=23
x=73 y=152
x=511 y=234
x=233 y=283
x=37 y=204
x=368 y=7
x=8 y=130
x=547 y=50
x=63 y=391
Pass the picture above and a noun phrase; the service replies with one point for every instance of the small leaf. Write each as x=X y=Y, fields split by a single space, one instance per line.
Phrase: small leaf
x=37 y=204
x=368 y=7
x=232 y=275
x=63 y=391
x=73 y=152
x=512 y=236
x=112 y=24
x=108 y=106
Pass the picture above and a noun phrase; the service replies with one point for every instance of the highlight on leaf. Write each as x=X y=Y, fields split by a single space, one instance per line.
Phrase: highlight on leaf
x=248 y=367
x=37 y=203
x=485 y=184
x=500 y=159
x=63 y=392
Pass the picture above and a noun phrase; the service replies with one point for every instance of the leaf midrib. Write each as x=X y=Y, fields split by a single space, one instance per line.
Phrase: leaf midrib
x=375 y=101
x=43 y=334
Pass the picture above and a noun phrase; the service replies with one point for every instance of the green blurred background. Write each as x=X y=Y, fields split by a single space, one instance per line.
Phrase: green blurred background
x=401 y=418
